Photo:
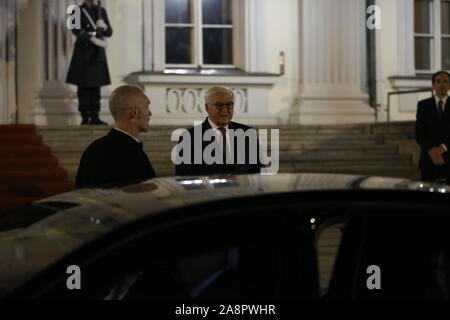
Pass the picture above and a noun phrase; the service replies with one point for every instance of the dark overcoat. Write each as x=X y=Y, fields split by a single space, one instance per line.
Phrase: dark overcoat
x=432 y=131
x=203 y=168
x=112 y=161
x=89 y=67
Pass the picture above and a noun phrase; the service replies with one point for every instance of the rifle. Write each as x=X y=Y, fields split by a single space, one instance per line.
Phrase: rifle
x=100 y=17
x=101 y=56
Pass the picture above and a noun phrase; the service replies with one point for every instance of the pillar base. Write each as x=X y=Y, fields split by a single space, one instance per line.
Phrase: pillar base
x=332 y=112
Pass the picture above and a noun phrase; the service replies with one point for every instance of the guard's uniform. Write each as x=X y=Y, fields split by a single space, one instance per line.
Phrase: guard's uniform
x=89 y=68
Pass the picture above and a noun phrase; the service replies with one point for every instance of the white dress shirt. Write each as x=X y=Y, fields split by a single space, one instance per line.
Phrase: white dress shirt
x=127 y=134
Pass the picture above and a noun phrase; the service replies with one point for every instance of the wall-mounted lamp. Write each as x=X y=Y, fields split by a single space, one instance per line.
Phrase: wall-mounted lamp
x=281 y=61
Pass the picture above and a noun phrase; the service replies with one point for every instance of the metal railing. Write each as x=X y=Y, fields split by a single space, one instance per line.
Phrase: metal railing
x=391 y=93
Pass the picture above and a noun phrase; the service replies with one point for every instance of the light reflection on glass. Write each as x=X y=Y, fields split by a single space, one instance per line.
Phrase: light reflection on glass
x=95 y=220
x=190 y=182
x=213 y=181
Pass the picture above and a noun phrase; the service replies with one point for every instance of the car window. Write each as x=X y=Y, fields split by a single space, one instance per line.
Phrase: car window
x=221 y=258
x=404 y=255
x=328 y=240
x=238 y=255
x=27 y=215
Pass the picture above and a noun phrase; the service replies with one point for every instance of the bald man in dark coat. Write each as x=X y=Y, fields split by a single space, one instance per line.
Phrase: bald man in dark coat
x=118 y=159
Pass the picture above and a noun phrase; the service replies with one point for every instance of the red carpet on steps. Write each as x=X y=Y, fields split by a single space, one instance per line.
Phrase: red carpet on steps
x=28 y=172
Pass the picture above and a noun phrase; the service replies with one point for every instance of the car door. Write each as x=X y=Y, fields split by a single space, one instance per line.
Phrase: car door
x=242 y=249
x=396 y=251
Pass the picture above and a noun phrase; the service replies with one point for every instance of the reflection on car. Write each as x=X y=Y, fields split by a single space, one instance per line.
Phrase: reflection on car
x=244 y=237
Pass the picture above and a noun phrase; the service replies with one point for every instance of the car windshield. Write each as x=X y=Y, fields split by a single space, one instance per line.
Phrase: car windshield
x=26 y=250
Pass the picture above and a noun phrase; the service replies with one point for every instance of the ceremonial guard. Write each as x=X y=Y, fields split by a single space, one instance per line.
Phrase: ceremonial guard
x=89 y=68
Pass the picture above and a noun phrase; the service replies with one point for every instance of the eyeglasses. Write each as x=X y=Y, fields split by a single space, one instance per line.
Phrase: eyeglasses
x=220 y=106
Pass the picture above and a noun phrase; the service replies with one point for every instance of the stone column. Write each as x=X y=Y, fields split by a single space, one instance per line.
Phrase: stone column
x=333 y=69
x=8 y=106
x=58 y=102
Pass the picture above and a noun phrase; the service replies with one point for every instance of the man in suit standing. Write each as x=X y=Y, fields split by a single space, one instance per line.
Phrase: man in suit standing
x=88 y=68
x=234 y=157
x=118 y=159
x=433 y=130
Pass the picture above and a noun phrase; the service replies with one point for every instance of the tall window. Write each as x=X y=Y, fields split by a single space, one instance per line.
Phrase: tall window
x=432 y=35
x=199 y=33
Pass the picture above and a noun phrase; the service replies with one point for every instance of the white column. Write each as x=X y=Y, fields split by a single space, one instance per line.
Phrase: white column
x=405 y=37
x=333 y=64
x=8 y=106
x=254 y=46
x=58 y=100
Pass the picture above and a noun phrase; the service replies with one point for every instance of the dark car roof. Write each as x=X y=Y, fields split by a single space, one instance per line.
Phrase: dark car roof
x=81 y=216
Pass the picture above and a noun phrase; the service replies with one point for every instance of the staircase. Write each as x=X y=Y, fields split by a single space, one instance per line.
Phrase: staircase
x=366 y=149
x=28 y=170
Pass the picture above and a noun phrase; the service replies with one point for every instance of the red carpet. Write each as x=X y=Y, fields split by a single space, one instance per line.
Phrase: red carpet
x=28 y=172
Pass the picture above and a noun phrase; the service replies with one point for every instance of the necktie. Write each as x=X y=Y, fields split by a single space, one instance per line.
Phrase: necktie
x=441 y=108
x=224 y=142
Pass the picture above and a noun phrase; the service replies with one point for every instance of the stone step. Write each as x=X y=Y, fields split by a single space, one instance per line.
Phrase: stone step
x=402 y=173
x=377 y=129
x=312 y=130
x=346 y=163
x=379 y=150
x=349 y=166
x=62 y=146
x=321 y=153
x=167 y=138
x=307 y=157
x=326 y=144
x=339 y=147
x=66 y=158
x=352 y=167
x=89 y=130
x=367 y=149
x=155 y=157
x=305 y=165
x=397 y=127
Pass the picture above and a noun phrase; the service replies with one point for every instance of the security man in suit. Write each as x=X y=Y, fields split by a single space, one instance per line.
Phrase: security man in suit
x=89 y=68
x=118 y=159
x=220 y=108
x=433 y=130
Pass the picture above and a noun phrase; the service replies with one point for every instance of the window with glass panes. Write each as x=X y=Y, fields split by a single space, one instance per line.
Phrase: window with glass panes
x=199 y=33
x=432 y=35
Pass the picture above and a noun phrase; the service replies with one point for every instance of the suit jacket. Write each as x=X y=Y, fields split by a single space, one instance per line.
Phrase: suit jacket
x=211 y=169
x=89 y=67
x=112 y=161
x=431 y=131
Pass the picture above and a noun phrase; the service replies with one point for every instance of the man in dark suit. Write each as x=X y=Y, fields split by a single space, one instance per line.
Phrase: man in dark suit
x=118 y=159
x=433 y=130
x=217 y=136
x=89 y=69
